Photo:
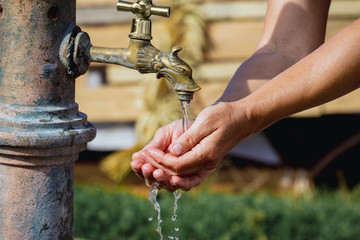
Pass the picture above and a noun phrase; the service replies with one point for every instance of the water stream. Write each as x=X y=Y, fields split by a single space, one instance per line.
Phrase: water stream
x=185 y=105
x=154 y=190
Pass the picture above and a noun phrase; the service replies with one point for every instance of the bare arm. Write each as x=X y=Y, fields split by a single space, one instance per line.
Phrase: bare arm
x=292 y=30
x=331 y=71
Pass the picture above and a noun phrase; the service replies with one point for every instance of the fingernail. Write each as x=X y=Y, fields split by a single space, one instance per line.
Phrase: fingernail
x=177 y=149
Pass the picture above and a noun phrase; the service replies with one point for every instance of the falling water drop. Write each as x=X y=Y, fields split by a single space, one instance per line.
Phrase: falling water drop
x=177 y=195
x=154 y=190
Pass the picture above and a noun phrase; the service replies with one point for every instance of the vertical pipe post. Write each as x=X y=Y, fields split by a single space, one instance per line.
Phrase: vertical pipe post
x=41 y=128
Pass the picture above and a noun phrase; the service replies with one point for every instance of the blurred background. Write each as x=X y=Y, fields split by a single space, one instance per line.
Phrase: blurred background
x=299 y=156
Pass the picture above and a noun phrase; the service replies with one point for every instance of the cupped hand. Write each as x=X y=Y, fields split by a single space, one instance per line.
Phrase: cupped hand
x=185 y=160
x=163 y=137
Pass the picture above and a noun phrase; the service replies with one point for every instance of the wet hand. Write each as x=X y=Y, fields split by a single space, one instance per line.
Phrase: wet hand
x=161 y=141
x=189 y=158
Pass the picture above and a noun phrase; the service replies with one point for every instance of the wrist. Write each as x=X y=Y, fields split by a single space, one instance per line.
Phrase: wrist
x=257 y=116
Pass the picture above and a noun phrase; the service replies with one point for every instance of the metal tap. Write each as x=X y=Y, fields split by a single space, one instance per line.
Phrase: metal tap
x=77 y=51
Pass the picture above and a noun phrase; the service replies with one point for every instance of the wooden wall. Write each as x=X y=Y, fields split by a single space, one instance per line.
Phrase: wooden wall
x=234 y=27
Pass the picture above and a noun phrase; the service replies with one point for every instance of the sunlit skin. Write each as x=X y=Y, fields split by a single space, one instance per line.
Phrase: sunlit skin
x=290 y=71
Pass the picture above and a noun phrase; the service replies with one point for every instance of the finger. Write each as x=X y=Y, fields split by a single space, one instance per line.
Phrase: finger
x=156 y=142
x=189 y=138
x=147 y=172
x=163 y=179
x=198 y=159
x=164 y=136
x=161 y=160
x=136 y=156
x=136 y=167
x=188 y=182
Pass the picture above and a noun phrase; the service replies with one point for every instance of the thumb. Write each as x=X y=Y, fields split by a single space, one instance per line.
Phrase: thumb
x=188 y=140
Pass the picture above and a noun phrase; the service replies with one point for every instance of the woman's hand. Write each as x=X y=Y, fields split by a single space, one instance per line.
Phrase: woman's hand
x=163 y=137
x=183 y=161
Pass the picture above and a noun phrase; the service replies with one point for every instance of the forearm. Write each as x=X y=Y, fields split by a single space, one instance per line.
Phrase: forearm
x=329 y=72
x=254 y=73
x=292 y=30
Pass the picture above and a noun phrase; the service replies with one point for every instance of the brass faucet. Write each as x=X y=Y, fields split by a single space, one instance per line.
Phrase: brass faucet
x=77 y=51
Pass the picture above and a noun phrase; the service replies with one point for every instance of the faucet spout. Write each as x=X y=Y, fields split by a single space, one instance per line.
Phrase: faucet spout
x=177 y=72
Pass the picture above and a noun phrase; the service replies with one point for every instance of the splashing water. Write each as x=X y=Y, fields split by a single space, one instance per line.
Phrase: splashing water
x=177 y=195
x=154 y=190
x=185 y=116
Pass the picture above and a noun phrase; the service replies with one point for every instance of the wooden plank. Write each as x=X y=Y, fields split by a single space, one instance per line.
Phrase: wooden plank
x=242 y=43
x=344 y=105
x=114 y=103
x=345 y=9
x=209 y=93
x=245 y=36
x=109 y=35
x=234 y=40
x=117 y=35
x=349 y=103
x=216 y=11
x=335 y=25
x=92 y=3
x=110 y=103
x=100 y=15
x=89 y=3
x=118 y=75
x=104 y=11
x=217 y=71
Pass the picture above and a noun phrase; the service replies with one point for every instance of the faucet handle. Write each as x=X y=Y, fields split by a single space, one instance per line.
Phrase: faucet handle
x=143 y=9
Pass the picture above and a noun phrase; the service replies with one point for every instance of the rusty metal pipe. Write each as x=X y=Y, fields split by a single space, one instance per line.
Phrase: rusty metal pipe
x=41 y=128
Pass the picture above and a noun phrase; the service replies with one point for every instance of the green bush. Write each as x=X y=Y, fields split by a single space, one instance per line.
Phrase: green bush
x=112 y=215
